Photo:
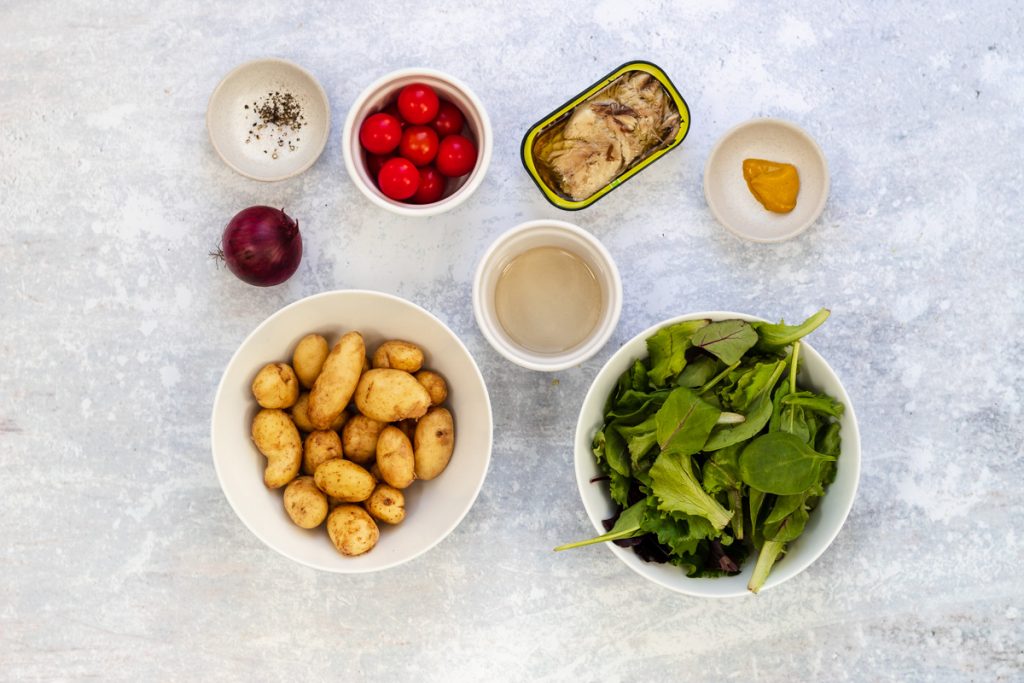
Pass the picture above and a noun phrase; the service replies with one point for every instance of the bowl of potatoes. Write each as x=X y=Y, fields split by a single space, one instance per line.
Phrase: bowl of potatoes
x=351 y=431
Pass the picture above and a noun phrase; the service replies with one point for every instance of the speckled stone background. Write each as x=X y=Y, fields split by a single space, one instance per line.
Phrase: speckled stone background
x=121 y=559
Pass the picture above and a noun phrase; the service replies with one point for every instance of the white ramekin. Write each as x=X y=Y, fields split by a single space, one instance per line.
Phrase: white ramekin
x=546 y=233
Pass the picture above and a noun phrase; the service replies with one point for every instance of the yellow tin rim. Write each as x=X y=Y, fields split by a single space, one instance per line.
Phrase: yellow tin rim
x=526 y=150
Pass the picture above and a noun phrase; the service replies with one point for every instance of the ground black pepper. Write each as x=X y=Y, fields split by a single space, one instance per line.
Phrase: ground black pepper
x=278 y=116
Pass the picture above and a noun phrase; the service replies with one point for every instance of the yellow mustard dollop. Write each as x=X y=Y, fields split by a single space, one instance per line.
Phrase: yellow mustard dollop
x=772 y=183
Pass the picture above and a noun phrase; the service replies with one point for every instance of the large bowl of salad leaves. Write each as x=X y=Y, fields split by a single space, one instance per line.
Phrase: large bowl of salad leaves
x=717 y=454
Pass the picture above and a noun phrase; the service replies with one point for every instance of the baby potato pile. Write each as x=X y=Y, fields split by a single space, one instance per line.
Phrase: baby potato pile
x=359 y=431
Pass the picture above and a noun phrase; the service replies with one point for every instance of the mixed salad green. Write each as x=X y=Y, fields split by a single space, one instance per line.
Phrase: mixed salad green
x=712 y=449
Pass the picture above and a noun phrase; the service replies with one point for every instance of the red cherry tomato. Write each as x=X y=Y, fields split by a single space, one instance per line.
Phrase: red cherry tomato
x=392 y=110
x=419 y=145
x=380 y=133
x=375 y=162
x=418 y=103
x=456 y=156
x=449 y=119
x=432 y=186
x=398 y=179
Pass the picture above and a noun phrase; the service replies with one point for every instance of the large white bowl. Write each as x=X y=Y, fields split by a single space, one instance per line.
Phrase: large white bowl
x=433 y=508
x=825 y=520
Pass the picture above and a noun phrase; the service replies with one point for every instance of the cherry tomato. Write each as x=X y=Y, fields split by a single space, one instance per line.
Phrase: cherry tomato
x=398 y=178
x=417 y=103
x=392 y=110
x=432 y=186
x=380 y=133
x=419 y=145
x=449 y=119
x=375 y=162
x=456 y=156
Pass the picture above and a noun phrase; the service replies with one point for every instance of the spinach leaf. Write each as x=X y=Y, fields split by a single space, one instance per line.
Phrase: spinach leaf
x=618 y=488
x=634 y=406
x=667 y=348
x=677 y=490
x=751 y=384
x=627 y=526
x=828 y=440
x=684 y=422
x=639 y=438
x=681 y=533
x=780 y=463
x=775 y=337
x=819 y=403
x=615 y=452
x=721 y=472
x=755 y=500
x=757 y=417
x=726 y=339
x=697 y=372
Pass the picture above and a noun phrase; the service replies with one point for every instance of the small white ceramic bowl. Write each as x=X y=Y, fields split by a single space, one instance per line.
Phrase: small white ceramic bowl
x=229 y=123
x=546 y=233
x=825 y=520
x=731 y=201
x=433 y=508
x=383 y=92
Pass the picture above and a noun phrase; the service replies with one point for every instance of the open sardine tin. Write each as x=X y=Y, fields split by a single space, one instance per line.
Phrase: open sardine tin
x=604 y=136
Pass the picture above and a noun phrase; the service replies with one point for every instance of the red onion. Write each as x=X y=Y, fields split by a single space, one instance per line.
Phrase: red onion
x=262 y=246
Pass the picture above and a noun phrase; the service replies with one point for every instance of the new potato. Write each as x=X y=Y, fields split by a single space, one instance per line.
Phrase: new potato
x=278 y=440
x=308 y=358
x=433 y=443
x=344 y=480
x=300 y=414
x=435 y=386
x=305 y=503
x=352 y=530
x=275 y=386
x=359 y=438
x=386 y=504
x=320 y=446
x=395 y=458
x=389 y=395
x=400 y=355
x=333 y=389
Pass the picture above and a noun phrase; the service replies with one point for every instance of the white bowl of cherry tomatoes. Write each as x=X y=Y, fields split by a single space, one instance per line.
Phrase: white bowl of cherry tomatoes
x=417 y=142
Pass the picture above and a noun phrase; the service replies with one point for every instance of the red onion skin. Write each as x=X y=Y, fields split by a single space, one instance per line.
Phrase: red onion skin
x=262 y=246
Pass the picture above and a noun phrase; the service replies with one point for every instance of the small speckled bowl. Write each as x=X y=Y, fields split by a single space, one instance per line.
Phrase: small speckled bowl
x=385 y=91
x=731 y=201
x=230 y=123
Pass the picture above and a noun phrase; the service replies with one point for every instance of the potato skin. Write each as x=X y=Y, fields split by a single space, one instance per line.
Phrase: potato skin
x=359 y=438
x=344 y=480
x=352 y=530
x=400 y=355
x=434 y=443
x=395 y=458
x=276 y=386
x=308 y=358
x=408 y=428
x=305 y=504
x=300 y=415
x=389 y=395
x=320 y=446
x=386 y=504
x=278 y=440
x=333 y=389
x=435 y=386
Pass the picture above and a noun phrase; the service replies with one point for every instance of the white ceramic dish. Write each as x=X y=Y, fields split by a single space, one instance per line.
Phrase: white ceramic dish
x=825 y=521
x=731 y=201
x=434 y=508
x=229 y=123
x=384 y=91
x=550 y=233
